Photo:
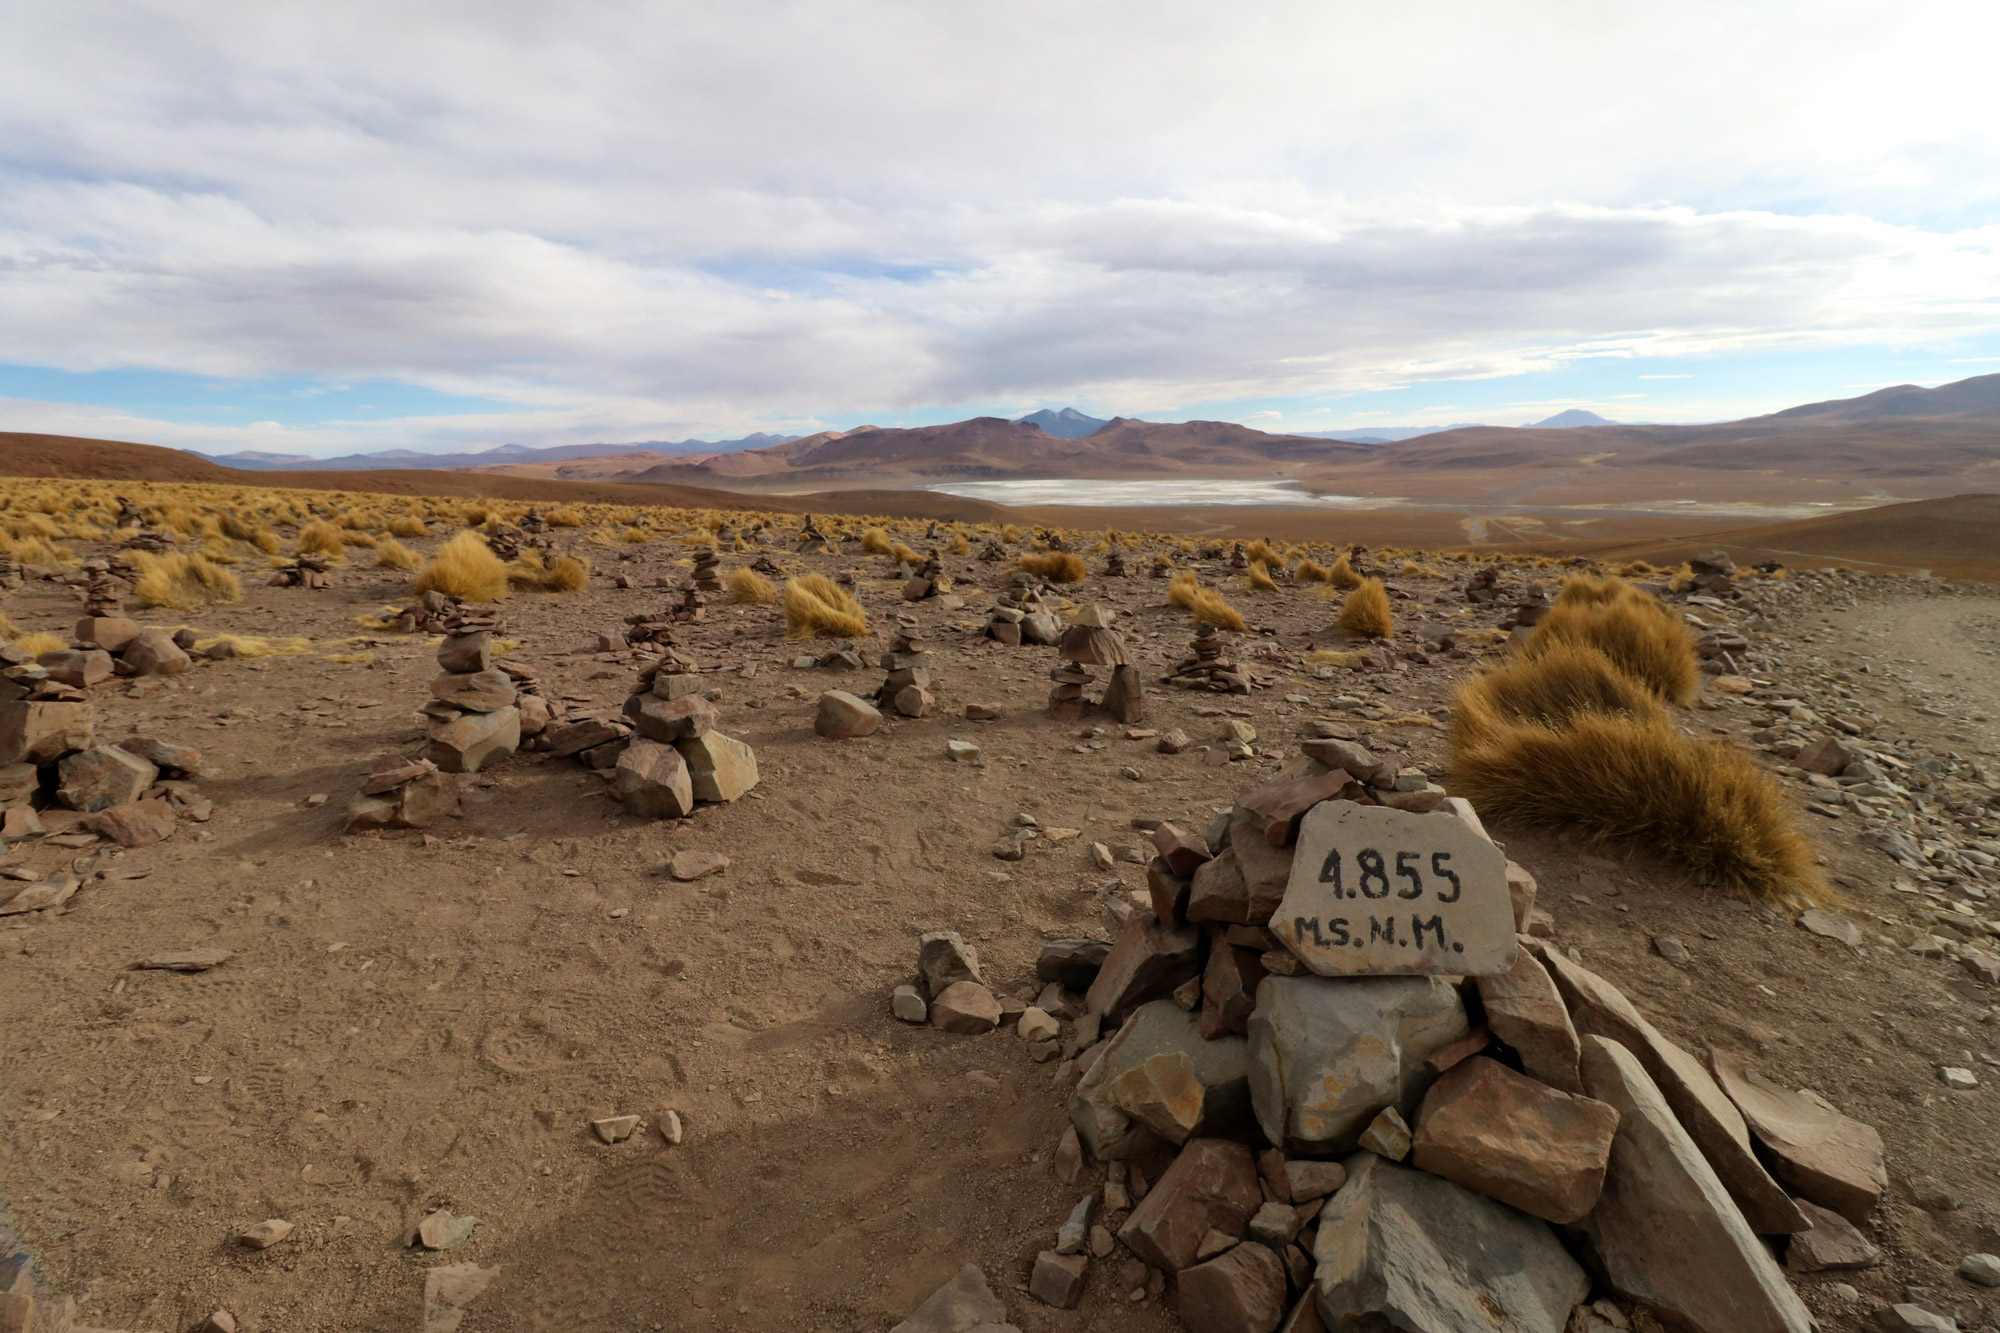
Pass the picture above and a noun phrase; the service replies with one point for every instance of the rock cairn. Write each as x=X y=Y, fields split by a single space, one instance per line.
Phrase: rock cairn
x=1238 y=559
x=811 y=541
x=673 y=756
x=1483 y=588
x=1361 y=1096
x=505 y=541
x=928 y=581
x=103 y=593
x=1207 y=669
x=1114 y=563
x=993 y=551
x=308 y=569
x=153 y=541
x=907 y=687
x=764 y=564
x=11 y=575
x=402 y=793
x=1021 y=617
x=129 y=514
x=707 y=566
x=533 y=522
x=474 y=709
x=1715 y=574
x=1090 y=641
x=1528 y=612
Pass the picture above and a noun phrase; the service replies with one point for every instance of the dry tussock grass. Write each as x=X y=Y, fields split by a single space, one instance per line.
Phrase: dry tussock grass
x=1643 y=785
x=1055 y=566
x=1562 y=683
x=749 y=588
x=563 y=573
x=1309 y=571
x=817 y=607
x=1259 y=549
x=38 y=642
x=182 y=582
x=407 y=525
x=1207 y=608
x=1587 y=590
x=392 y=554
x=959 y=545
x=465 y=567
x=1258 y=576
x=1342 y=574
x=1644 y=639
x=320 y=537
x=1365 y=611
x=875 y=541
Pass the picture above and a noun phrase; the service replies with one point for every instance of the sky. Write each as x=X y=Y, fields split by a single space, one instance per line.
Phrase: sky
x=322 y=229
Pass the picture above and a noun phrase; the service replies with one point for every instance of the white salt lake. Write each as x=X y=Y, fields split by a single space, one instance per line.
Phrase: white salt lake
x=1098 y=492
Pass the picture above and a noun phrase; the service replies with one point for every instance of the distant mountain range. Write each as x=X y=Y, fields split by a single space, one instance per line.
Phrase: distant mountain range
x=1068 y=424
x=257 y=461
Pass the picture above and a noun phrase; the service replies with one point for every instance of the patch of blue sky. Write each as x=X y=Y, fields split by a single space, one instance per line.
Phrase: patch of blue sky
x=820 y=275
x=291 y=401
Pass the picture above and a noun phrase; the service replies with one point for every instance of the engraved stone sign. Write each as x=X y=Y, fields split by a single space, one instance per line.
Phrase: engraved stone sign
x=1380 y=892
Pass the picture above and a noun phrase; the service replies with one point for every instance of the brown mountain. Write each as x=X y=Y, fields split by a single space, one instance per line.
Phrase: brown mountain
x=1975 y=399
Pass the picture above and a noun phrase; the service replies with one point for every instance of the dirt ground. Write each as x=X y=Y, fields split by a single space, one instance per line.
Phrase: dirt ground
x=415 y=1022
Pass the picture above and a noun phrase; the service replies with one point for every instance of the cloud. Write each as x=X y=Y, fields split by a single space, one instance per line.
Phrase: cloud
x=673 y=219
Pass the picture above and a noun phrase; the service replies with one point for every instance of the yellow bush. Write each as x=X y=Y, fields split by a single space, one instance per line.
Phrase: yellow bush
x=407 y=525
x=1010 y=534
x=749 y=588
x=1585 y=590
x=1365 y=611
x=320 y=537
x=1342 y=574
x=1055 y=566
x=1207 y=608
x=564 y=573
x=1261 y=550
x=465 y=567
x=817 y=607
x=1550 y=689
x=39 y=642
x=1259 y=578
x=959 y=545
x=1644 y=639
x=183 y=582
x=1310 y=572
x=876 y=542
x=392 y=554
x=565 y=516
x=1643 y=785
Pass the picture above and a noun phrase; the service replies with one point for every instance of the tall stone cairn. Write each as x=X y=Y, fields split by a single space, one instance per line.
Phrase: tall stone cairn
x=1207 y=669
x=474 y=709
x=907 y=687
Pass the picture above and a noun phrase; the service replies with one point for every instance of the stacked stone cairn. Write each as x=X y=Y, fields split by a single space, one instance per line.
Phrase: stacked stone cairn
x=993 y=551
x=153 y=541
x=533 y=522
x=1715 y=574
x=50 y=761
x=1090 y=641
x=907 y=687
x=1114 y=563
x=107 y=644
x=129 y=515
x=811 y=541
x=505 y=541
x=1021 y=617
x=475 y=709
x=928 y=581
x=1325 y=1081
x=674 y=757
x=1207 y=669
x=764 y=564
x=1483 y=588
x=402 y=793
x=308 y=569
x=707 y=567
x=1238 y=558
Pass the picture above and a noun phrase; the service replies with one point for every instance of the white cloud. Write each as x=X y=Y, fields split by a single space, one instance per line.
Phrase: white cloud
x=673 y=218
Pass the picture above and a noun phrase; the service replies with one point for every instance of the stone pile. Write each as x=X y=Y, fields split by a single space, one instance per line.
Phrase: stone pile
x=1324 y=1081
x=474 y=710
x=928 y=581
x=1237 y=557
x=505 y=542
x=533 y=521
x=129 y=515
x=764 y=564
x=1090 y=641
x=811 y=541
x=1207 y=669
x=707 y=566
x=402 y=793
x=132 y=792
x=1714 y=574
x=1528 y=612
x=649 y=631
x=672 y=757
x=1483 y=588
x=1114 y=563
x=1021 y=617
x=104 y=593
x=305 y=570
x=993 y=551
x=907 y=687
x=153 y=541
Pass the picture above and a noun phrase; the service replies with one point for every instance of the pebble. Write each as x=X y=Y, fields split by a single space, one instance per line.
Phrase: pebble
x=670 y=1127
x=1671 y=949
x=265 y=1234
x=615 y=1128
x=906 y=1003
x=963 y=752
x=1962 y=1080
x=1036 y=1024
x=1981 y=1268
x=689 y=866
x=441 y=1230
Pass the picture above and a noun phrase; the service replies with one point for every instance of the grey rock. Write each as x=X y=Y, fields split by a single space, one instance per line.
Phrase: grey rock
x=1072 y=1235
x=962 y=1305
x=1159 y=1080
x=1071 y=964
x=1905 y=1318
x=944 y=957
x=1402 y=1249
x=1981 y=1268
x=1327 y=1055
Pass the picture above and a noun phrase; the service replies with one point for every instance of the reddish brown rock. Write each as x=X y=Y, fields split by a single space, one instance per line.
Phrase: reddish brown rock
x=1826 y=756
x=1211 y=1186
x=101 y=777
x=41 y=733
x=173 y=760
x=583 y=734
x=111 y=633
x=843 y=716
x=1833 y=1245
x=138 y=824
x=1665 y=1232
x=1515 y=1140
x=1266 y=870
x=1821 y=1154
x=1184 y=852
x=1524 y=1009
x=1273 y=811
x=1521 y=889
x=720 y=767
x=1598 y=1008
x=967 y=1008
x=651 y=781
x=1228 y=987
x=1071 y=964
x=1242 y=1291
x=470 y=741
x=1147 y=962
x=152 y=652
x=1057 y=1279
x=670 y=720
x=81 y=668
x=475 y=691
x=1168 y=891
x=1218 y=893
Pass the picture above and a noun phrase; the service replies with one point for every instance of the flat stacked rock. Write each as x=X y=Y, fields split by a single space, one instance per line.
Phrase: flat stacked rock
x=505 y=542
x=533 y=521
x=764 y=564
x=153 y=541
x=1528 y=612
x=1091 y=641
x=693 y=606
x=674 y=757
x=1114 y=563
x=129 y=515
x=401 y=793
x=474 y=712
x=993 y=551
x=811 y=541
x=1021 y=616
x=539 y=711
x=907 y=687
x=658 y=631
x=306 y=570
x=706 y=567
x=928 y=581
x=1238 y=559
x=1483 y=588
x=1207 y=669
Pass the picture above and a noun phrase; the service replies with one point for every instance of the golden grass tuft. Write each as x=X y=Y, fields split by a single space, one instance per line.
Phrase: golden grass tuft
x=1342 y=574
x=749 y=588
x=407 y=525
x=1551 y=689
x=1365 y=611
x=38 y=642
x=1258 y=576
x=1207 y=608
x=1055 y=566
x=1309 y=571
x=817 y=607
x=564 y=573
x=392 y=554
x=320 y=537
x=1010 y=534
x=876 y=542
x=183 y=582
x=465 y=567
x=1642 y=638
x=1585 y=590
x=1260 y=550
x=959 y=545
x=1643 y=785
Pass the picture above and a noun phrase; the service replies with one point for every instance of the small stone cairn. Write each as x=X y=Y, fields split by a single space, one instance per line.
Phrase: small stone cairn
x=1483 y=588
x=811 y=541
x=533 y=522
x=401 y=793
x=1238 y=558
x=928 y=581
x=1207 y=669
x=673 y=756
x=764 y=564
x=129 y=515
x=1088 y=642
x=707 y=567
x=993 y=551
x=1528 y=612
x=153 y=541
x=907 y=687
x=308 y=569
x=1021 y=617
x=1114 y=563
x=475 y=707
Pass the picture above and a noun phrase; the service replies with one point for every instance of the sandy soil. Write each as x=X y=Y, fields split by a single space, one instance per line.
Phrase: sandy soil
x=412 y=1023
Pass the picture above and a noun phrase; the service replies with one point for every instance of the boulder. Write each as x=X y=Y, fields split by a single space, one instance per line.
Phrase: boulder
x=466 y=654
x=1524 y=1010
x=76 y=667
x=1665 y=1232
x=1833 y=1245
x=1825 y=756
x=471 y=741
x=152 y=652
x=1057 y=1279
x=1125 y=696
x=1183 y=852
x=41 y=733
x=651 y=781
x=1599 y=1009
x=476 y=692
x=1159 y=1079
x=967 y=1008
x=174 y=761
x=720 y=767
x=1211 y=1186
x=18 y=782
x=1402 y=1249
x=1822 y=1155
x=1149 y=959
x=1218 y=892
x=134 y=824
x=1515 y=1140
x=1239 y=1291
x=670 y=720
x=1266 y=869
x=586 y=733
x=1327 y=1056
x=101 y=777
x=111 y=633
x=842 y=716
x=943 y=957
x=419 y=802
x=1167 y=891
